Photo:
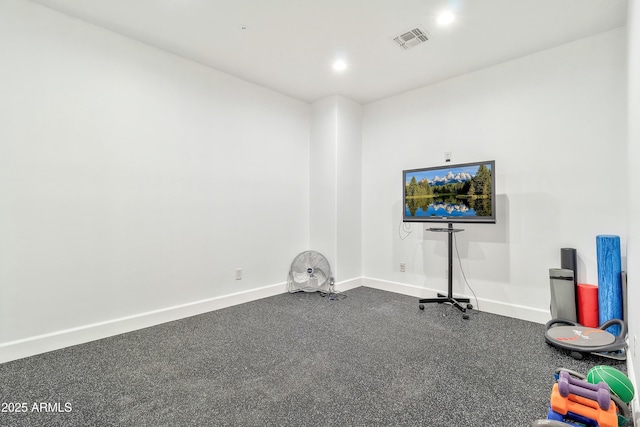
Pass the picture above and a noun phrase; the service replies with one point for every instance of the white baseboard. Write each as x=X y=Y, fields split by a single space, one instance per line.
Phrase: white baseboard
x=345 y=285
x=490 y=306
x=60 y=339
x=31 y=346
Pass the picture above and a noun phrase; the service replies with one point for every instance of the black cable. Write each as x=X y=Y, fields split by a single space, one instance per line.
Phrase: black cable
x=455 y=241
x=333 y=294
x=337 y=296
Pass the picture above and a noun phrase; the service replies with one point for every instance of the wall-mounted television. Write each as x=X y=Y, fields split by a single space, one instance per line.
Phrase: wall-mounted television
x=450 y=193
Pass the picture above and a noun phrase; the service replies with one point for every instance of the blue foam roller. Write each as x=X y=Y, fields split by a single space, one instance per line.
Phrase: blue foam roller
x=609 y=280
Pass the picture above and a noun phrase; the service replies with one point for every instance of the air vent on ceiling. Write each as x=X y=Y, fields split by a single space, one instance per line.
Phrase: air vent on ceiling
x=411 y=38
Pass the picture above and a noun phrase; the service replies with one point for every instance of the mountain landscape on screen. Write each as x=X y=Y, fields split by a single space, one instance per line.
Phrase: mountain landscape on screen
x=449 y=193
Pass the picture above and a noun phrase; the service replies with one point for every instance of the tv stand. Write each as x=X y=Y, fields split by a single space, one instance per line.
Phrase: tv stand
x=456 y=302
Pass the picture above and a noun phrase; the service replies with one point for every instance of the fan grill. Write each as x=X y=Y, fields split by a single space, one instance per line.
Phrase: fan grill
x=310 y=272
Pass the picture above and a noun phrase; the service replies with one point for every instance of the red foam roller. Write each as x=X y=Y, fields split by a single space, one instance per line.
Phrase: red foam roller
x=588 y=305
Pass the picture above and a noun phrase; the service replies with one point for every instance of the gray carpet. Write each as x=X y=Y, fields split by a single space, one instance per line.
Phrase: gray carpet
x=372 y=359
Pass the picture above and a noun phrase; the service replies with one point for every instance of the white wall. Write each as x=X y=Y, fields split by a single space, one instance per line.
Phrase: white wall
x=555 y=124
x=349 y=196
x=336 y=187
x=633 y=155
x=323 y=179
x=132 y=180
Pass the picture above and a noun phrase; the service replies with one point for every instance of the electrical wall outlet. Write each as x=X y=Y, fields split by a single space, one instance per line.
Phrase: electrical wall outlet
x=402 y=267
x=447 y=156
x=238 y=274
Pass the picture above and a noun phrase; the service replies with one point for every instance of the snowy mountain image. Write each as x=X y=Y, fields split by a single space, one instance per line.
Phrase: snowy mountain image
x=450 y=209
x=456 y=191
x=450 y=177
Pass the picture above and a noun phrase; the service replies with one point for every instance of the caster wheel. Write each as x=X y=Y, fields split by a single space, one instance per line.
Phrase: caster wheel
x=469 y=306
x=421 y=307
x=465 y=316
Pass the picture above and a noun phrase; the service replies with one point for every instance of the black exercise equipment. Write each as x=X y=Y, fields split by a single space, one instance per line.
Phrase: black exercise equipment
x=581 y=340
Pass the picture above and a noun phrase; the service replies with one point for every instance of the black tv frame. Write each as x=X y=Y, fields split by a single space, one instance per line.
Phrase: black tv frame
x=451 y=219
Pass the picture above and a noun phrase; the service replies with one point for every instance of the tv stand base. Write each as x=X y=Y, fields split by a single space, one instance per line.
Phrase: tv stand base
x=441 y=299
x=456 y=302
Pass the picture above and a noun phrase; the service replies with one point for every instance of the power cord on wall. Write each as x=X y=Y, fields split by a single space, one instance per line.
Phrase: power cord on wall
x=405 y=228
x=455 y=241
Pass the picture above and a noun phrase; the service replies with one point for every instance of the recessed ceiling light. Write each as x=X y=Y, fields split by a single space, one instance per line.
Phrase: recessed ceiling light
x=445 y=18
x=339 y=65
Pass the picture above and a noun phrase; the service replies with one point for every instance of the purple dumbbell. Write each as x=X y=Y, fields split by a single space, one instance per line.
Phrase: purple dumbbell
x=598 y=392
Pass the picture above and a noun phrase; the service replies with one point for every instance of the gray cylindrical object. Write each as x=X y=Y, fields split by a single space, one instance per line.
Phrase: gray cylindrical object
x=563 y=294
x=569 y=261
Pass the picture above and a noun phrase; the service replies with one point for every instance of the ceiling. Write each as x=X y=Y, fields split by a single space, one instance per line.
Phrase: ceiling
x=290 y=45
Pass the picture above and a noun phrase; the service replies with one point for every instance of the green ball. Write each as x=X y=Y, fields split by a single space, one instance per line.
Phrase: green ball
x=617 y=381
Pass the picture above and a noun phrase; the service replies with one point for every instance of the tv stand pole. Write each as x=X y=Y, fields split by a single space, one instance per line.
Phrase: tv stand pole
x=456 y=302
